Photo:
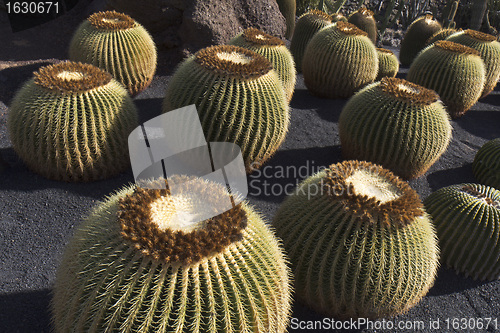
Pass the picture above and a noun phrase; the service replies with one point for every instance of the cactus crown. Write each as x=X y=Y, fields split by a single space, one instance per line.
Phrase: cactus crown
x=350 y=29
x=150 y=221
x=481 y=196
x=384 y=50
x=70 y=77
x=407 y=91
x=365 y=12
x=371 y=192
x=233 y=61
x=337 y=17
x=255 y=36
x=320 y=14
x=455 y=47
x=111 y=20
x=480 y=36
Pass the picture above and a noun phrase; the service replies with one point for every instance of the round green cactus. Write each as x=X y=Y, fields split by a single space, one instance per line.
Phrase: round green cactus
x=399 y=125
x=363 y=19
x=274 y=50
x=307 y=25
x=440 y=35
x=239 y=98
x=388 y=64
x=288 y=9
x=359 y=241
x=339 y=60
x=71 y=122
x=456 y=72
x=116 y=43
x=489 y=49
x=416 y=36
x=486 y=165
x=467 y=219
x=135 y=265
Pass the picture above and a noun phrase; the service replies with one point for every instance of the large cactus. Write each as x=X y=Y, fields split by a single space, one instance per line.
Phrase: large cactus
x=416 y=36
x=363 y=19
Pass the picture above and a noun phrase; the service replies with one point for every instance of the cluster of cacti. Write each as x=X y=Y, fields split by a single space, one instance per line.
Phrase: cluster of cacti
x=287 y=9
x=489 y=50
x=339 y=60
x=134 y=265
x=358 y=237
x=363 y=19
x=440 y=35
x=307 y=25
x=388 y=64
x=239 y=98
x=71 y=122
x=456 y=72
x=119 y=45
x=416 y=36
x=399 y=125
x=486 y=165
x=274 y=50
x=467 y=219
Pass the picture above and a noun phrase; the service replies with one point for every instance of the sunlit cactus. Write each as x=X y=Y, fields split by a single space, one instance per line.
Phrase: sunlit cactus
x=388 y=64
x=363 y=19
x=416 y=37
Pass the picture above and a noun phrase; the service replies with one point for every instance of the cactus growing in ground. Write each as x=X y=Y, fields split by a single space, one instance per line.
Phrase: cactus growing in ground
x=416 y=36
x=363 y=19
x=486 y=165
x=71 y=122
x=273 y=49
x=440 y=35
x=388 y=64
x=119 y=45
x=456 y=72
x=136 y=265
x=239 y=98
x=489 y=49
x=400 y=125
x=359 y=241
x=339 y=60
x=287 y=9
x=467 y=219
x=307 y=25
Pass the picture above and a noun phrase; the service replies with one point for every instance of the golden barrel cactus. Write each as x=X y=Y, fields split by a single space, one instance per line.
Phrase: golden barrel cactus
x=416 y=37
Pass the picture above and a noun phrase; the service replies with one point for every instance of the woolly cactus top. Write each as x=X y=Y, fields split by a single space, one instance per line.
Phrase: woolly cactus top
x=455 y=47
x=407 y=91
x=71 y=77
x=365 y=12
x=480 y=36
x=384 y=50
x=111 y=20
x=233 y=61
x=255 y=36
x=371 y=192
x=350 y=29
x=158 y=223
x=480 y=196
x=319 y=14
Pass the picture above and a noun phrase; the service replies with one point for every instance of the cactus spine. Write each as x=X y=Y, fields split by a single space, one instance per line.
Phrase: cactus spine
x=388 y=64
x=239 y=98
x=359 y=241
x=307 y=25
x=486 y=165
x=417 y=34
x=489 y=49
x=467 y=218
x=339 y=60
x=399 y=125
x=363 y=19
x=456 y=72
x=135 y=266
x=71 y=122
x=116 y=43
x=274 y=50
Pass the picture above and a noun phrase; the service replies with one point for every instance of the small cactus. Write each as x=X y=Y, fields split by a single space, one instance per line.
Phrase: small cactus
x=489 y=49
x=239 y=98
x=486 y=165
x=274 y=50
x=139 y=264
x=456 y=72
x=399 y=125
x=416 y=36
x=363 y=19
x=357 y=238
x=307 y=25
x=71 y=122
x=116 y=43
x=339 y=60
x=288 y=9
x=467 y=219
x=388 y=64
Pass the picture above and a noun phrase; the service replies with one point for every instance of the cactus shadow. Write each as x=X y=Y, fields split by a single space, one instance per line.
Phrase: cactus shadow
x=304 y=316
x=449 y=282
x=26 y=312
x=482 y=120
x=327 y=109
x=148 y=108
x=443 y=178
